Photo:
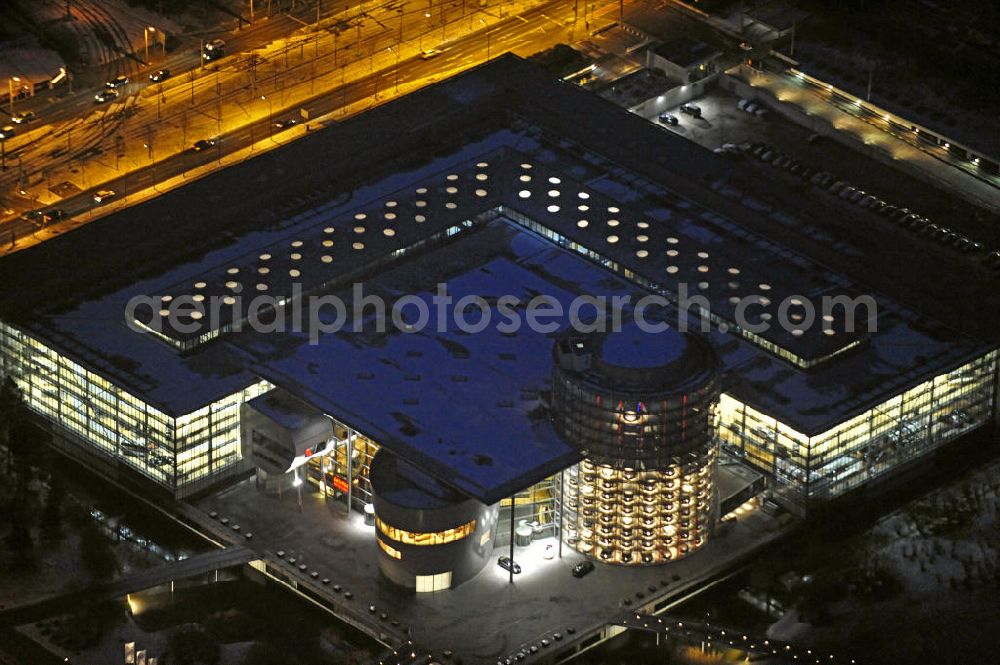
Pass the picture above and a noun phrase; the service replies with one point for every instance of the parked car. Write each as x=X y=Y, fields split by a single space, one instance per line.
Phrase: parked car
x=33 y=216
x=750 y=107
x=691 y=109
x=429 y=53
x=767 y=156
x=104 y=195
x=668 y=119
x=858 y=196
x=742 y=104
x=159 y=75
x=6 y=132
x=214 y=50
x=203 y=144
x=286 y=123
x=837 y=187
x=847 y=192
x=867 y=201
x=583 y=568
x=116 y=82
x=887 y=210
x=23 y=117
x=106 y=96
x=506 y=563
x=817 y=139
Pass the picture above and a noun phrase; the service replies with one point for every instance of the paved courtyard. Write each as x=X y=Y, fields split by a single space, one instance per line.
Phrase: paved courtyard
x=484 y=619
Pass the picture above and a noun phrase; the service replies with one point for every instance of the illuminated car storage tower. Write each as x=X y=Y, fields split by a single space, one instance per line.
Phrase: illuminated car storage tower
x=641 y=409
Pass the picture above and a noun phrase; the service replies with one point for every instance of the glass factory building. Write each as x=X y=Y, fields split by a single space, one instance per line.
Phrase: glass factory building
x=498 y=183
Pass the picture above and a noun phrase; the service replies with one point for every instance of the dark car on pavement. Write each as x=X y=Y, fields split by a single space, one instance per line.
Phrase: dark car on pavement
x=286 y=123
x=691 y=110
x=23 y=117
x=583 y=568
x=159 y=75
x=117 y=82
x=506 y=563
x=668 y=119
x=53 y=215
x=204 y=144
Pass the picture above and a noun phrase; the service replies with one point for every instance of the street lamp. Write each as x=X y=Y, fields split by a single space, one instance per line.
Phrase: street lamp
x=10 y=90
x=396 y=73
x=483 y=21
x=270 y=118
x=145 y=39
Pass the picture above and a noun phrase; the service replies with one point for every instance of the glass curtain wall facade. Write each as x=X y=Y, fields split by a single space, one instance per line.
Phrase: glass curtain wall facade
x=180 y=454
x=332 y=473
x=868 y=445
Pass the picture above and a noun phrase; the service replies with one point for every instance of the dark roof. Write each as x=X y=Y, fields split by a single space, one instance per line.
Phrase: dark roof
x=686 y=52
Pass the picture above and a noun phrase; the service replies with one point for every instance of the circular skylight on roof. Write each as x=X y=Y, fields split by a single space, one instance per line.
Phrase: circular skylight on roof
x=265 y=257
x=452 y=176
x=525 y=178
x=554 y=180
x=702 y=268
x=612 y=239
x=390 y=216
x=360 y=216
x=358 y=245
x=451 y=190
x=642 y=225
x=765 y=302
x=294 y=273
x=297 y=243
x=198 y=297
x=419 y=219
x=702 y=255
x=583 y=208
x=734 y=271
x=482 y=165
x=481 y=177
x=583 y=223
x=766 y=316
x=553 y=208
x=262 y=287
x=481 y=192
x=672 y=240
x=613 y=209
x=735 y=300
x=613 y=222
x=328 y=229
x=390 y=204
x=389 y=232
x=421 y=190
x=196 y=315
x=166 y=298
x=263 y=270
x=795 y=301
x=797 y=332
x=327 y=243
x=229 y=300
x=233 y=271
x=164 y=312
x=641 y=238
x=525 y=166
x=326 y=258
x=828 y=318
x=764 y=287
x=232 y=285
x=359 y=229
x=829 y=332
x=733 y=285
x=642 y=253
x=450 y=205
x=702 y=285
x=672 y=252
x=584 y=195
x=420 y=203
x=199 y=285
x=524 y=193
x=672 y=269
x=553 y=193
